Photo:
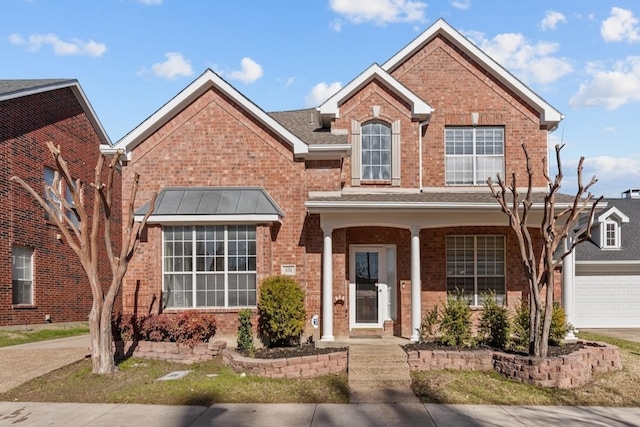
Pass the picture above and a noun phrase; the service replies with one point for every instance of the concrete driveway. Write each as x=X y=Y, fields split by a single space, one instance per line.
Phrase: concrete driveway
x=629 y=334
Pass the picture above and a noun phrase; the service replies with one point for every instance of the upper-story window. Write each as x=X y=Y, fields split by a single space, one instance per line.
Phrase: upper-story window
x=52 y=199
x=376 y=152
x=473 y=154
x=611 y=235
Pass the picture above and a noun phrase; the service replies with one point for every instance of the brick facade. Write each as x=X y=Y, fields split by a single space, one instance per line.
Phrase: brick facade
x=216 y=141
x=60 y=286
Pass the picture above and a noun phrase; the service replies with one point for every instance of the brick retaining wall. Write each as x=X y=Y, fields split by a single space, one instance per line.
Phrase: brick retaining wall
x=170 y=351
x=293 y=367
x=568 y=371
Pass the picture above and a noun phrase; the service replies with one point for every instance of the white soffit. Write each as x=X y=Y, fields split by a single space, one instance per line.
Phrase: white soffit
x=188 y=95
x=549 y=116
x=419 y=108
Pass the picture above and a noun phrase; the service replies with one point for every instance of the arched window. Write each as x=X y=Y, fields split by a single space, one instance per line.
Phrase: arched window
x=376 y=151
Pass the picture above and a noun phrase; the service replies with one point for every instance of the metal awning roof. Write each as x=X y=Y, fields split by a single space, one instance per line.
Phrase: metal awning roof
x=213 y=204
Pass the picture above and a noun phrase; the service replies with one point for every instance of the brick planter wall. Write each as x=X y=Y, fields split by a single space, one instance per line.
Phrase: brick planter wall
x=171 y=351
x=294 y=367
x=568 y=371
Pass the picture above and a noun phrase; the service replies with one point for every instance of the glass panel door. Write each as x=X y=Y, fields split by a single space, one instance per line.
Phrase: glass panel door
x=366 y=281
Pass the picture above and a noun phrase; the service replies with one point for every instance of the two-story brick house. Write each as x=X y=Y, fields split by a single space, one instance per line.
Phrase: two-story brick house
x=376 y=202
x=41 y=278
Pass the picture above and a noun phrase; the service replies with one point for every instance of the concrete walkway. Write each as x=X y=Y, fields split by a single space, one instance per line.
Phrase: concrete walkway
x=313 y=415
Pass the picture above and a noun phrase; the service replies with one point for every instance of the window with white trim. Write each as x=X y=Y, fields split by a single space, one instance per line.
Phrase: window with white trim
x=22 y=262
x=611 y=235
x=376 y=151
x=209 y=266
x=473 y=154
x=51 y=199
x=475 y=266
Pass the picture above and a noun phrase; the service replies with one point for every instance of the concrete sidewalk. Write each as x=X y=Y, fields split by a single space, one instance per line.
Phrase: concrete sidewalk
x=314 y=415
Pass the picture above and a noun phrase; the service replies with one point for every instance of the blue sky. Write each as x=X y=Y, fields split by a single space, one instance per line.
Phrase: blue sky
x=132 y=56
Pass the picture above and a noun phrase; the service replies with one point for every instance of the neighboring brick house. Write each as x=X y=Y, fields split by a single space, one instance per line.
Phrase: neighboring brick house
x=41 y=278
x=376 y=202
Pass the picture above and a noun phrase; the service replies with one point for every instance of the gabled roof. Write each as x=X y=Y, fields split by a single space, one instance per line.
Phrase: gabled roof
x=331 y=107
x=612 y=212
x=213 y=204
x=206 y=81
x=549 y=116
x=14 y=89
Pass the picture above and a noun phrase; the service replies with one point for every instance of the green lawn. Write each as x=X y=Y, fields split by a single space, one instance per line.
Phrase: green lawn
x=14 y=337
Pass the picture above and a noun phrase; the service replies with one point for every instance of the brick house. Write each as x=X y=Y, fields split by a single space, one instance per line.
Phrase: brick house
x=376 y=202
x=40 y=277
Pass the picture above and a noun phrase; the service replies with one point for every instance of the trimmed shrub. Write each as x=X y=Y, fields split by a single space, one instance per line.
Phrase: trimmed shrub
x=495 y=328
x=521 y=323
x=559 y=325
x=245 y=334
x=429 y=325
x=282 y=312
x=455 y=325
x=188 y=328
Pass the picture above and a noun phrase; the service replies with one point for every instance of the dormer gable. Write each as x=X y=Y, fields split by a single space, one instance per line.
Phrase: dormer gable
x=607 y=231
x=330 y=109
x=549 y=116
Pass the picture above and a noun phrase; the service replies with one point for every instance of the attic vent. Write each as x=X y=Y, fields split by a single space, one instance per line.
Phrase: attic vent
x=632 y=193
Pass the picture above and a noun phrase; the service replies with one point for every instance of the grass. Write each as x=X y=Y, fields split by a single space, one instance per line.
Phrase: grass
x=14 y=337
x=208 y=383
x=212 y=382
x=489 y=388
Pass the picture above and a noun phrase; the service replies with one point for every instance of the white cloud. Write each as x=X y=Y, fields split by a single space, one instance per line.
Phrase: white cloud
x=174 y=66
x=150 y=2
x=380 y=12
x=461 y=4
x=336 y=25
x=620 y=26
x=610 y=88
x=249 y=72
x=551 y=20
x=320 y=93
x=533 y=63
x=60 y=47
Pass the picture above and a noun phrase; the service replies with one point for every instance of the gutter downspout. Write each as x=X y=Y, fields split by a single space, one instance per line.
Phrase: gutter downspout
x=420 y=127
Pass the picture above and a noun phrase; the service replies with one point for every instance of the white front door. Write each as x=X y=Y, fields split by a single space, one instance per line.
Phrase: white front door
x=367 y=287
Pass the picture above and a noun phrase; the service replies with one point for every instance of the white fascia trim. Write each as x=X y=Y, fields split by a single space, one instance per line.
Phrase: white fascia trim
x=341 y=206
x=328 y=151
x=75 y=87
x=331 y=107
x=549 y=116
x=209 y=219
x=203 y=83
x=613 y=210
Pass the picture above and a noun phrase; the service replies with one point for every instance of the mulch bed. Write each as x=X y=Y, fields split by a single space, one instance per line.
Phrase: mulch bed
x=553 y=350
x=285 y=352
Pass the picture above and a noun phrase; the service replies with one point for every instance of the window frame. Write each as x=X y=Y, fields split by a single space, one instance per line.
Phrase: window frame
x=605 y=235
x=474 y=157
x=27 y=253
x=52 y=201
x=222 y=261
x=476 y=299
x=371 y=151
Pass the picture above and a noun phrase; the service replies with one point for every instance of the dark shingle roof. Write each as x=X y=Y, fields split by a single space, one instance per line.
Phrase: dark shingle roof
x=629 y=233
x=305 y=125
x=9 y=87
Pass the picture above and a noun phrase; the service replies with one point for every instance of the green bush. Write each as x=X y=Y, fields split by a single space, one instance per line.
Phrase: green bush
x=559 y=325
x=520 y=325
x=455 y=325
x=495 y=327
x=429 y=325
x=245 y=333
x=282 y=312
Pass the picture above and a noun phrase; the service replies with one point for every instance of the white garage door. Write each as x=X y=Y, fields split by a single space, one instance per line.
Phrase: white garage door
x=607 y=302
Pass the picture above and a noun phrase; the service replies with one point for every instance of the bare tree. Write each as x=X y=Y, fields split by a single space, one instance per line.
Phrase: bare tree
x=539 y=263
x=81 y=232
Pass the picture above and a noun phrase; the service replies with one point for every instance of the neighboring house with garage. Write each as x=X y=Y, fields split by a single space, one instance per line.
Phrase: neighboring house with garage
x=607 y=267
x=375 y=202
x=41 y=278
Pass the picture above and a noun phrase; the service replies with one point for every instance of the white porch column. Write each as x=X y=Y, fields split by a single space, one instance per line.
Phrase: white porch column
x=416 y=306
x=327 y=285
x=569 y=288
